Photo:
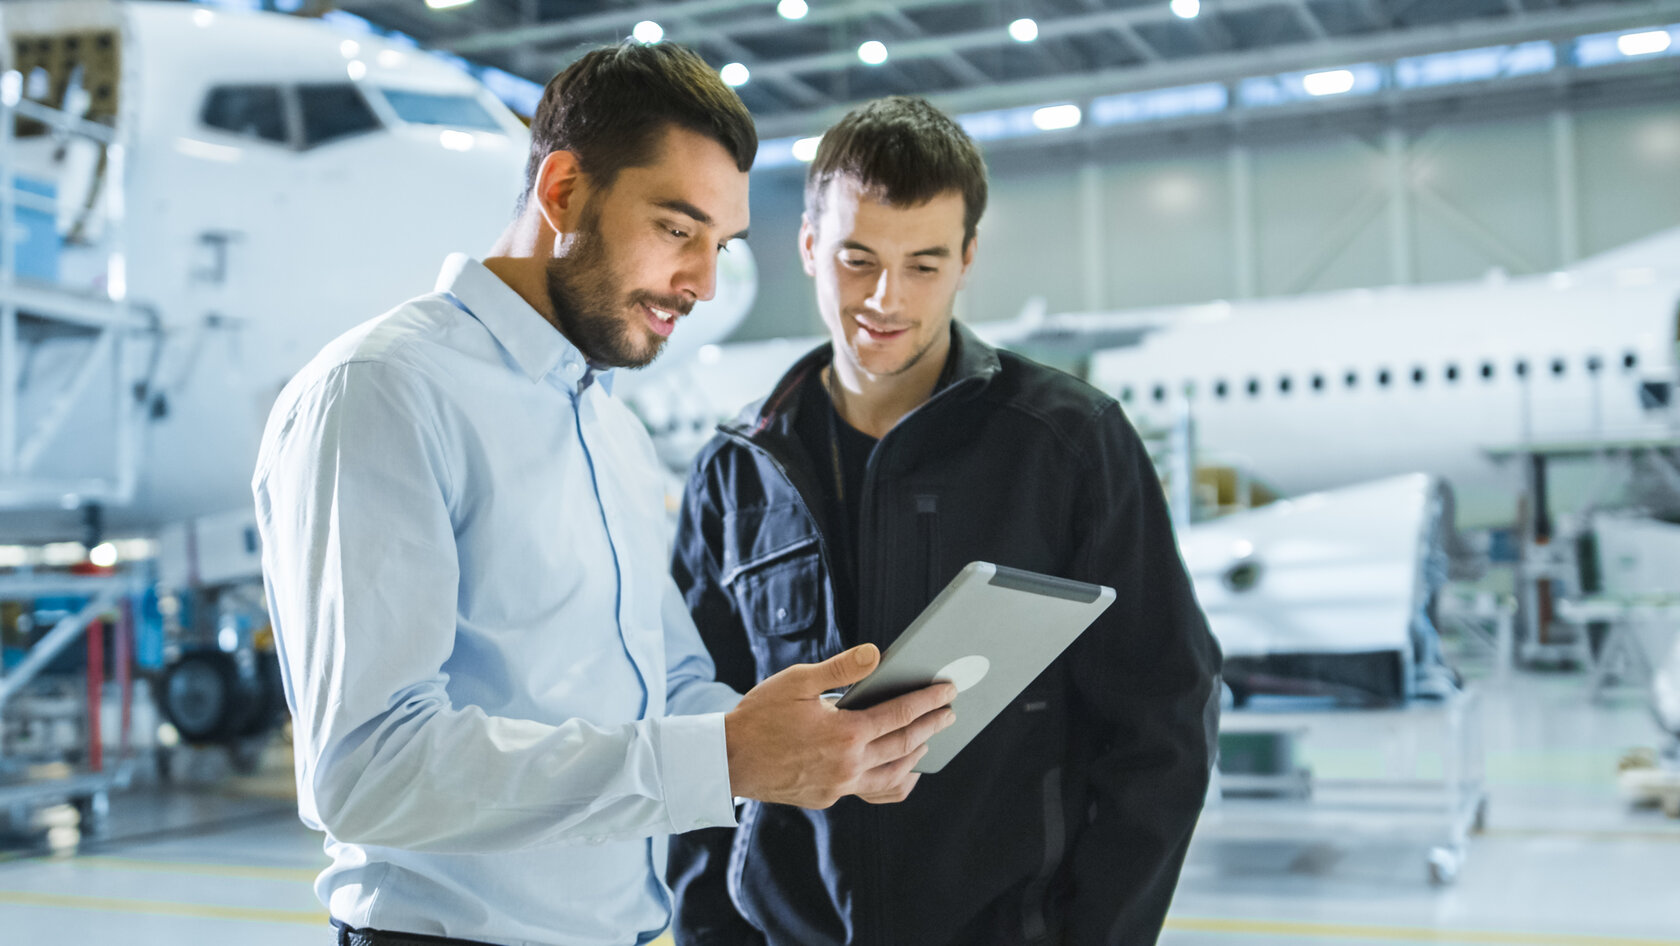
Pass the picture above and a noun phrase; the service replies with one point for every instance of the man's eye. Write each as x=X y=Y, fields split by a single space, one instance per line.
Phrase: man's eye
x=855 y=262
x=679 y=234
x=927 y=269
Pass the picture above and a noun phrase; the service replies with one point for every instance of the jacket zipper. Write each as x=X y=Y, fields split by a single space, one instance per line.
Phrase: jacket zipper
x=927 y=520
x=871 y=813
x=1035 y=905
x=872 y=816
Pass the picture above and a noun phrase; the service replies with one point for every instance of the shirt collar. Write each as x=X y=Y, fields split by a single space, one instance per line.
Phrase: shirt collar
x=528 y=338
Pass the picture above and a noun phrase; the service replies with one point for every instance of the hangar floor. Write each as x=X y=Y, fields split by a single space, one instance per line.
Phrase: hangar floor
x=1564 y=861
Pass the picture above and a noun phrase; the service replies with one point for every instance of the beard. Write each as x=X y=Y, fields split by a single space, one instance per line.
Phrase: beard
x=591 y=307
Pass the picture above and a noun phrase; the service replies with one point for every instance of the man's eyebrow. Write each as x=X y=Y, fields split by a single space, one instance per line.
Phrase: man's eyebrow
x=942 y=252
x=678 y=205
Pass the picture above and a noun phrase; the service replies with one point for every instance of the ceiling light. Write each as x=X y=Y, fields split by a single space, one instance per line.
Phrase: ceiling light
x=873 y=52
x=356 y=68
x=805 y=149
x=1056 y=117
x=103 y=555
x=648 y=32
x=456 y=140
x=349 y=48
x=1643 y=44
x=1186 y=9
x=734 y=75
x=792 y=9
x=1024 y=30
x=390 y=58
x=446 y=4
x=1334 y=82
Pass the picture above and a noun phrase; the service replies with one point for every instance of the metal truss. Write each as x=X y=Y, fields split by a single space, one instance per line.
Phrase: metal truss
x=34 y=411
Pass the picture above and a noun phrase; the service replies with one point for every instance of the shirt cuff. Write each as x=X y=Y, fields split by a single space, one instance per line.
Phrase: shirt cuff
x=694 y=769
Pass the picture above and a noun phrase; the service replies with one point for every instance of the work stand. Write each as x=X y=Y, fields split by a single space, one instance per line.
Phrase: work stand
x=1431 y=788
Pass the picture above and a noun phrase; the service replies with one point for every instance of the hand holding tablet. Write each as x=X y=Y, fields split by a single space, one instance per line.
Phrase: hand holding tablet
x=990 y=632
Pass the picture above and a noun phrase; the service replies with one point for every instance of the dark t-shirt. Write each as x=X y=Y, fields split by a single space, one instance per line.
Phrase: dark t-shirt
x=821 y=430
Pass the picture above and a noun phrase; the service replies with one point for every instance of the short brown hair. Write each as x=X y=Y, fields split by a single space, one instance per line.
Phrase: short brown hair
x=611 y=106
x=906 y=151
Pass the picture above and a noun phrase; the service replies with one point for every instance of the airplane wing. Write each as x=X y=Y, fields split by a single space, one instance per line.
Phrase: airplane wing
x=1084 y=332
x=1658 y=253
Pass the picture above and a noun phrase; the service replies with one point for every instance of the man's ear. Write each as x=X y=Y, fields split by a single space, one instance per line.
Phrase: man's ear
x=560 y=191
x=968 y=259
x=808 y=244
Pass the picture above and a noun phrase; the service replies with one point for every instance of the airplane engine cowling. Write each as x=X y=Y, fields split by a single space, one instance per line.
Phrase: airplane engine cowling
x=1325 y=594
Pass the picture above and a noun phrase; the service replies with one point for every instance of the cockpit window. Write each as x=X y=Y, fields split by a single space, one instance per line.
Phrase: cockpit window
x=430 y=108
x=251 y=110
x=333 y=111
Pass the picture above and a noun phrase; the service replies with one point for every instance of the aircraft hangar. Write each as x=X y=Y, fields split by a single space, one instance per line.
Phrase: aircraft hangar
x=1379 y=301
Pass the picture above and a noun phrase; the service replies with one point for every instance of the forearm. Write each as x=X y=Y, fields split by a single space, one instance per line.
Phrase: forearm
x=428 y=777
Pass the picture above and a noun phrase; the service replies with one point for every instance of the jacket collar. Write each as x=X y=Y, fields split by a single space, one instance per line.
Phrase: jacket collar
x=971 y=365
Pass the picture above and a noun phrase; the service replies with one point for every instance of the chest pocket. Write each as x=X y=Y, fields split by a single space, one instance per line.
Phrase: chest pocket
x=783 y=603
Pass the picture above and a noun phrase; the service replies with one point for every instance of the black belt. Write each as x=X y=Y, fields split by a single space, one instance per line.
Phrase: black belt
x=353 y=936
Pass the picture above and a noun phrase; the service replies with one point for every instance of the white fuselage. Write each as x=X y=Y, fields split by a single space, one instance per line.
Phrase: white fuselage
x=254 y=253
x=1314 y=393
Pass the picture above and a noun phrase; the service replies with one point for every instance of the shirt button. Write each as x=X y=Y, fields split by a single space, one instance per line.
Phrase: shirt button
x=781 y=614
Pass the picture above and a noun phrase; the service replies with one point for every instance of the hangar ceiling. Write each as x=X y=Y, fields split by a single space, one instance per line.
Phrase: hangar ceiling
x=1098 y=54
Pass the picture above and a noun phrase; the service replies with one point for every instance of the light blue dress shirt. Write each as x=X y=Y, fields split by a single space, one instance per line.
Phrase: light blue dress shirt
x=501 y=703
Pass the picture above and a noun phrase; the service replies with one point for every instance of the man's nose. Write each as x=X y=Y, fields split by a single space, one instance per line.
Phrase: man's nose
x=885 y=297
x=698 y=275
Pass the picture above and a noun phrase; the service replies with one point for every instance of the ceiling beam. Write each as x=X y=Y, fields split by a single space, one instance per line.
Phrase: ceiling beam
x=953 y=61
x=800 y=92
x=1557 y=24
x=934 y=46
x=1138 y=44
x=581 y=28
x=1309 y=20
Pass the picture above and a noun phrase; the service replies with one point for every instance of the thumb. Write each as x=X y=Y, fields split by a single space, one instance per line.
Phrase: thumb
x=844 y=668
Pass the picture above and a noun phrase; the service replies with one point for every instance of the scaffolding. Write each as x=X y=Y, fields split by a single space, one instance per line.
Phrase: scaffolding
x=96 y=321
x=74 y=363
x=1432 y=789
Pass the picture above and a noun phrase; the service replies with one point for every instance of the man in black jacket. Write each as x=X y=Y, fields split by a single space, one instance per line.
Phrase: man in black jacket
x=831 y=513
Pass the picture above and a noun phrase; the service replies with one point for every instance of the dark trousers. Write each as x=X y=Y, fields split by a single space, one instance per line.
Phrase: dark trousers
x=363 y=936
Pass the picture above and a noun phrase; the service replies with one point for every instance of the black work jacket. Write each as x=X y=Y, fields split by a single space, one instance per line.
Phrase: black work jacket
x=1066 y=821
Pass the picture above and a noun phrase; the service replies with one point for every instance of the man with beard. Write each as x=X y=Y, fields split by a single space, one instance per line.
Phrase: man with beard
x=501 y=706
x=831 y=513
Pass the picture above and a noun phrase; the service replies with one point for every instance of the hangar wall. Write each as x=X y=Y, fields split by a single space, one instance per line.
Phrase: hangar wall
x=1141 y=225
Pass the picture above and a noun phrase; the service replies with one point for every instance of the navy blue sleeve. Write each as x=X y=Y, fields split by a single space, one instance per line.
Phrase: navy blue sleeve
x=1147 y=678
x=704 y=914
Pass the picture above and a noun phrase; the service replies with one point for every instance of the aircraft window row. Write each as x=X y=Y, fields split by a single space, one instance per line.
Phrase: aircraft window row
x=323 y=112
x=431 y=108
x=1384 y=378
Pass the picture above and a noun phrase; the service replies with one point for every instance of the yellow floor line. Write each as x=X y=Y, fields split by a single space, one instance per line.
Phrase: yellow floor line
x=248 y=872
x=1606 y=835
x=1401 y=933
x=163 y=908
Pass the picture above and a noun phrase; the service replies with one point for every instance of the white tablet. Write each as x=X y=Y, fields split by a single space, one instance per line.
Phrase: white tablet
x=991 y=632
